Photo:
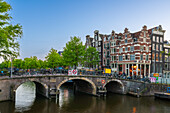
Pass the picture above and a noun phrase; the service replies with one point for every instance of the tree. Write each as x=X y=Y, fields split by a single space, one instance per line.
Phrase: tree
x=34 y=62
x=18 y=63
x=5 y=64
x=41 y=64
x=26 y=63
x=73 y=52
x=91 y=57
x=53 y=58
x=9 y=46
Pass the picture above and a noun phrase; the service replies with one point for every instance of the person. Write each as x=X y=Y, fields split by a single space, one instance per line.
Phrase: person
x=2 y=72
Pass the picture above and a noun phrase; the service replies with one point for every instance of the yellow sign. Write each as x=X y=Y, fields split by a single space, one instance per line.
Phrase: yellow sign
x=156 y=74
x=108 y=71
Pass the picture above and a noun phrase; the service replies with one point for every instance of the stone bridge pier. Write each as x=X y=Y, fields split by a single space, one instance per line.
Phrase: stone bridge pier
x=49 y=85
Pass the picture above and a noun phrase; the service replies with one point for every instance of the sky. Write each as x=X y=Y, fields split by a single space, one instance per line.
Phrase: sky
x=50 y=23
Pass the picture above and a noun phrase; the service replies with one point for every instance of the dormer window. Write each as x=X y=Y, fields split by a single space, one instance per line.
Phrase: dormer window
x=113 y=37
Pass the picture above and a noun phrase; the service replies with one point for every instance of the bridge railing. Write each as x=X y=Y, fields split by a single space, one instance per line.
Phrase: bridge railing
x=65 y=72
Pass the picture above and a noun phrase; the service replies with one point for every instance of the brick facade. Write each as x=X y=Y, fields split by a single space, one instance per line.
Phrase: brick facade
x=138 y=53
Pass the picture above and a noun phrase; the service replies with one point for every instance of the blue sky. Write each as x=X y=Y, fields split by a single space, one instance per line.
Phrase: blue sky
x=50 y=23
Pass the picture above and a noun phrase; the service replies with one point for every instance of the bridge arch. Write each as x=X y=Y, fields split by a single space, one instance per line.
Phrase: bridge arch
x=40 y=87
x=90 y=87
x=115 y=86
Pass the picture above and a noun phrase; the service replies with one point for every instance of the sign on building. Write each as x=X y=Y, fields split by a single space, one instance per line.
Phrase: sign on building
x=108 y=71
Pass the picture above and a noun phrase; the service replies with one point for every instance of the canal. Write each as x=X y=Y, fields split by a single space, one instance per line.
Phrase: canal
x=69 y=102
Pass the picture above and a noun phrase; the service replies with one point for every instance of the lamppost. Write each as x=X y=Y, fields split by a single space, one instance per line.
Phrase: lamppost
x=11 y=65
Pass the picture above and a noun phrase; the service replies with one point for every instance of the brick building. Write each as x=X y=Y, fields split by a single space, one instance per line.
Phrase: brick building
x=139 y=53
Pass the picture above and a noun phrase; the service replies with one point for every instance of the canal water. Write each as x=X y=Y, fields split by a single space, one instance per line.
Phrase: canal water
x=68 y=102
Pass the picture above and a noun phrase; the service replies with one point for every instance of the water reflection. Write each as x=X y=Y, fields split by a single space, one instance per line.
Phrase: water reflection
x=25 y=96
x=69 y=102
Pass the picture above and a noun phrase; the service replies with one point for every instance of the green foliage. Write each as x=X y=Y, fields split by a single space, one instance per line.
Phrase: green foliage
x=73 y=52
x=42 y=64
x=53 y=59
x=34 y=63
x=26 y=63
x=9 y=46
x=5 y=64
x=91 y=57
x=18 y=63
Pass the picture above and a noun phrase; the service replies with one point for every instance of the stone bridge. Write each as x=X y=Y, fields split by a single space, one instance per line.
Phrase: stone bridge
x=47 y=84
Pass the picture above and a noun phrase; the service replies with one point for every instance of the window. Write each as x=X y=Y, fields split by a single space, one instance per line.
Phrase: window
x=114 y=50
x=126 y=48
x=104 y=46
x=120 y=58
x=96 y=44
x=112 y=65
x=120 y=50
x=141 y=48
x=144 y=39
x=95 y=37
x=157 y=57
x=153 y=46
x=125 y=35
x=126 y=57
x=132 y=48
x=144 y=34
x=125 y=40
x=153 y=56
x=147 y=48
x=153 y=38
x=160 y=39
x=107 y=45
x=132 y=57
x=115 y=58
x=112 y=37
x=112 y=44
x=135 y=40
x=160 y=57
x=108 y=62
x=147 y=57
x=153 y=67
x=99 y=49
x=115 y=65
x=99 y=43
x=157 y=47
x=108 y=54
x=160 y=68
x=157 y=39
x=104 y=54
x=141 y=57
x=166 y=58
x=160 y=47
x=112 y=58
x=166 y=66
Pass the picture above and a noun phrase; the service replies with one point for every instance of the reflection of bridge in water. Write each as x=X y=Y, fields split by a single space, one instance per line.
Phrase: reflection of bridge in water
x=48 y=85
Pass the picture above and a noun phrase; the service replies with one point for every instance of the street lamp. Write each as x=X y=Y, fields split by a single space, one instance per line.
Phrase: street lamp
x=11 y=65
